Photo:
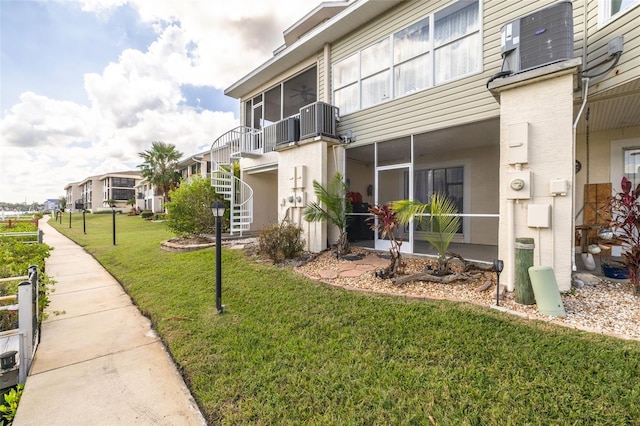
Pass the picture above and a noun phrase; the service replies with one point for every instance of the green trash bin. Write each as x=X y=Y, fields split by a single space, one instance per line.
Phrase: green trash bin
x=545 y=289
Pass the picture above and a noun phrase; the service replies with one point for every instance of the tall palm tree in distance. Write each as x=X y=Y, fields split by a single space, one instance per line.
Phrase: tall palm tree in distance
x=160 y=167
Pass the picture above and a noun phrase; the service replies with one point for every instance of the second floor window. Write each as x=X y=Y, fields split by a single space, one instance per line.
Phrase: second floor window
x=281 y=101
x=123 y=182
x=609 y=10
x=439 y=48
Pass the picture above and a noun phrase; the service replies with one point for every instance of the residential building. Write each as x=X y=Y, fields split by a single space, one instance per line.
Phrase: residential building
x=72 y=193
x=51 y=204
x=195 y=165
x=93 y=192
x=491 y=102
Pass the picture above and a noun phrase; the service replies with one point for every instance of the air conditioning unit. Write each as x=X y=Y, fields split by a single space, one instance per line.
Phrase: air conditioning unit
x=538 y=39
x=318 y=119
x=283 y=132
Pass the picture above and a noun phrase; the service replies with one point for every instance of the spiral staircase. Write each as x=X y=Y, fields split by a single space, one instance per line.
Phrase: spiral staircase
x=225 y=153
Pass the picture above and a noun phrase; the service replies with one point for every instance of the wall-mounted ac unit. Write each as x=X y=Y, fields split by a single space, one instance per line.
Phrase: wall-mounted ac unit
x=318 y=119
x=540 y=38
x=283 y=132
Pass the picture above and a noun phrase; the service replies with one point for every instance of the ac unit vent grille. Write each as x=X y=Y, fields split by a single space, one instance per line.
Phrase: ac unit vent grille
x=540 y=38
x=282 y=132
x=318 y=119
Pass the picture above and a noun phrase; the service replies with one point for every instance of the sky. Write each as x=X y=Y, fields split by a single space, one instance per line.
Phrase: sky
x=85 y=85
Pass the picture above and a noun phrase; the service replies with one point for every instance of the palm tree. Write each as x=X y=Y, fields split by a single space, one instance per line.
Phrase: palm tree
x=160 y=167
x=442 y=223
x=335 y=211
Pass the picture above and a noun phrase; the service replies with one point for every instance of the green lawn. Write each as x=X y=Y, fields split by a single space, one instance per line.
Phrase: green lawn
x=293 y=351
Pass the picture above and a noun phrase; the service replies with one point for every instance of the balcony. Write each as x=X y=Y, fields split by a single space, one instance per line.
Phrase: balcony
x=316 y=119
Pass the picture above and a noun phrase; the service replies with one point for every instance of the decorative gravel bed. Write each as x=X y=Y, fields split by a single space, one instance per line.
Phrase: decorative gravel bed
x=608 y=307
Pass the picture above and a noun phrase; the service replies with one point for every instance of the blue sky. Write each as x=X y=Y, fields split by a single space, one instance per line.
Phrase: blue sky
x=87 y=84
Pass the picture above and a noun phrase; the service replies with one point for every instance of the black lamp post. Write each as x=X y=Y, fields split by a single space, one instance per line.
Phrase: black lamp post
x=113 y=222
x=217 y=208
x=498 y=265
x=84 y=218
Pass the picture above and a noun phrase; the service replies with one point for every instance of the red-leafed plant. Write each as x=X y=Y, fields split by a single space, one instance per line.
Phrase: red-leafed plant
x=386 y=222
x=625 y=222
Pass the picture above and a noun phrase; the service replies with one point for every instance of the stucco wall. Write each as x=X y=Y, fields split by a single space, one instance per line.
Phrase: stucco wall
x=547 y=105
x=265 y=187
x=312 y=156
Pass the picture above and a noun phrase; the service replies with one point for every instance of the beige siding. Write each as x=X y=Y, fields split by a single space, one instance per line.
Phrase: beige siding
x=598 y=38
x=454 y=103
x=321 y=77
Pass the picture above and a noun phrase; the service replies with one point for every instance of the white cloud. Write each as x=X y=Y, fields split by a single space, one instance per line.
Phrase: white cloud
x=46 y=143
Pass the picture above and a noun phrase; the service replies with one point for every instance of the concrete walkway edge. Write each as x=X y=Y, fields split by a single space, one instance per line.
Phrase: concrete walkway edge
x=99 y=361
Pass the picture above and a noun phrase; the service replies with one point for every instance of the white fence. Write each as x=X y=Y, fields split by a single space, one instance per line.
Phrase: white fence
x=18 y=346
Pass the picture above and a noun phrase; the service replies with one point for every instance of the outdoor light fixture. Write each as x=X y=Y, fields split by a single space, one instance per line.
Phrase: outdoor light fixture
x=84 y=219
x=8 y=360
x=217 y=208
x=498 y=266
x=113 y=222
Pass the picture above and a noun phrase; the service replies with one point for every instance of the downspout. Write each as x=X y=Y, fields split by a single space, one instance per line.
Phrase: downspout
x=327 y=73
x=585 y=94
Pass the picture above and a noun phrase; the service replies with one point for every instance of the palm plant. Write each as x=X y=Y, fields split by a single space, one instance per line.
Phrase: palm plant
x=160 y=167
x=385 y=221
x=332 y=207
x=442 y=222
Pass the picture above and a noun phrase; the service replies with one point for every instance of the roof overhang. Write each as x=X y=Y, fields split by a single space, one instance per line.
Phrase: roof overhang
x=321 y=13
x=358 y=13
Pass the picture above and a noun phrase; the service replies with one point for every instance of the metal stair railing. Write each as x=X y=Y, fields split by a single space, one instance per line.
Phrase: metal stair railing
x=225 y=151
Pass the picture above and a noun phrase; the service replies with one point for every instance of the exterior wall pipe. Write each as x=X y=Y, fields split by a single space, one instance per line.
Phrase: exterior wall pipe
x=327 y=73
x=511 y=248
x=585 y=84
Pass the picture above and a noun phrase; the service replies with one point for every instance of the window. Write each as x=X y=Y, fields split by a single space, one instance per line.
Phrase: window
x=281 y=101
x=123 y=182
x=123 y=194
x=411 y=56
x=609 y=10
x=632 y=165
x=374 y=69
x=448 y=181
x=457 y=41
x=439 y=48
x=345 y=84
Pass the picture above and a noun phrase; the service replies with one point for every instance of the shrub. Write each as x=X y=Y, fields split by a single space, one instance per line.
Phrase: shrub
x=281 y=241
x=16 y=257
x=147 y=214
x=624 y=208
x=160 y=216
x=190 y=208
x=10 y=406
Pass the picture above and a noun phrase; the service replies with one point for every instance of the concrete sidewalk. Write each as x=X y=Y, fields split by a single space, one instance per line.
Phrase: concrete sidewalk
x=99 y=362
